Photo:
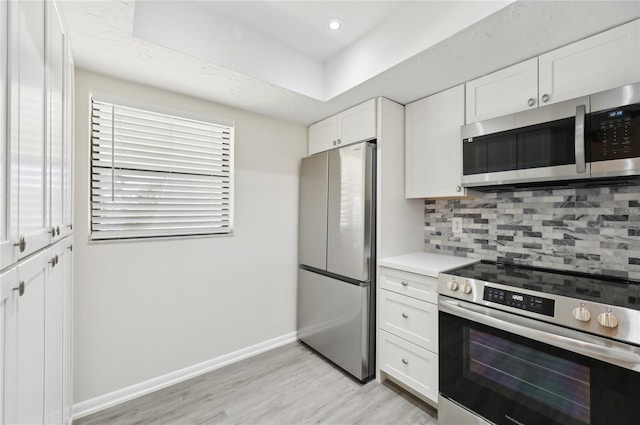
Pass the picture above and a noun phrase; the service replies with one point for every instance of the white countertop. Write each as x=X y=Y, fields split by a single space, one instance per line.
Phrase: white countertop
x=425 y=263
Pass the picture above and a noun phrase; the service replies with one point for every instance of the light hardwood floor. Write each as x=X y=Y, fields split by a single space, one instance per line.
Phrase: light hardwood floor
x=288 y=385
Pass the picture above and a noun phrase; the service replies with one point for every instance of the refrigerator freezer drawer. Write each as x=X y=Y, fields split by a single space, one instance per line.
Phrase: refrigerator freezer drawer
x=333 y=319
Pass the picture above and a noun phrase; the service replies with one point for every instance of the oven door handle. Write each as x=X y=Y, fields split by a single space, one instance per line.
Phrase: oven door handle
x=538 y=331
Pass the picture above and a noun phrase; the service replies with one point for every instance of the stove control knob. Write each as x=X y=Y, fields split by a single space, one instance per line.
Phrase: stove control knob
x=581 y=313
x=466 y=288
x=452 y=285
x=607 y=319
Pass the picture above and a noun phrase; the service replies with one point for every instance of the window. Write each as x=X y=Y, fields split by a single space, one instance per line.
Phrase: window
x=158 y=175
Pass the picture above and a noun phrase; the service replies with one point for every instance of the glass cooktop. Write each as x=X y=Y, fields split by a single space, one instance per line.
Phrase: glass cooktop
x=583 y=286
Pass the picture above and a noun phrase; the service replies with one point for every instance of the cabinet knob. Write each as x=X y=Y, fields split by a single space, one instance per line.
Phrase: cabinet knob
x=405 y=315
x=458 y=188
x=339 y=141
x=57 y=230
x=405 y=361
x=70 y=226
x=22 y=244
x=531 y=102
x=52 y=232
x=20 y=288
x=334 y=143
x=545 y=97
x=404 y=283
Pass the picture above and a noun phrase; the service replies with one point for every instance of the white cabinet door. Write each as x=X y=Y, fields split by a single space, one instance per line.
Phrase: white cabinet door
x=54 y=347
x=8 y=284
x=353 y=125
x=55 y=119
x=67 y=177
x=25 y=338
x=8 y=230
x=66 y=268
x=357 y=124
x=604 y=61
x=29 y=148
x=323 y=135
x=503 y=92
x=433 y=163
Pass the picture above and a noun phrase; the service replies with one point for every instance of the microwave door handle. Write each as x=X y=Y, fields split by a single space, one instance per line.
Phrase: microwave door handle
x=579 y=142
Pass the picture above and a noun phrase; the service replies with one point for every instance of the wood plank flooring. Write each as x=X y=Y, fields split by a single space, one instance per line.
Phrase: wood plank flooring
x=288 y=385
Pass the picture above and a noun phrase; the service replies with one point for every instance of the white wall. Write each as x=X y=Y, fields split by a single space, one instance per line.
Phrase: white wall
x=144 y=309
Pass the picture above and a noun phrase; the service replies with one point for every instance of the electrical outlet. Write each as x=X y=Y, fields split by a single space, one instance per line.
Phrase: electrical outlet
x=456 y=224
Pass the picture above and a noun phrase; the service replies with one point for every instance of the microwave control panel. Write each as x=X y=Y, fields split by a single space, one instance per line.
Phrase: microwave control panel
x=615 y=134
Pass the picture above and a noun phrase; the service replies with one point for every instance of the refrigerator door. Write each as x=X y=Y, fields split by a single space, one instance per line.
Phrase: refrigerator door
x=333 y=319
x=312 y=245
x=350 y=211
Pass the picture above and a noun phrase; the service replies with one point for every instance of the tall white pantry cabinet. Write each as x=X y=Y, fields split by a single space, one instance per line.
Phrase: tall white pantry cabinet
x=36 y=214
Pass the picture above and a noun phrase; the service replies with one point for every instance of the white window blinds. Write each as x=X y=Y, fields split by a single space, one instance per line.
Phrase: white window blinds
x=155 y=175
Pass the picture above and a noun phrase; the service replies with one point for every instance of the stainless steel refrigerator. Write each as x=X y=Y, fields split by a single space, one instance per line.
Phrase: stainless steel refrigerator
x=336 y=276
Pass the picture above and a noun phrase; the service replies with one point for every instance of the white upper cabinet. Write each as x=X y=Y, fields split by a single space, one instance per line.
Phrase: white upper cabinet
x=601 y=62
x=350 y=126
x=8 y=255
x=509 y=90
x=55 y=119
x=29 y=150
x=433 y=147
x=605 y=61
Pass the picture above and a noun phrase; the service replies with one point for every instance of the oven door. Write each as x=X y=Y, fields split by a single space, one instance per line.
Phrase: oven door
x=506 y=369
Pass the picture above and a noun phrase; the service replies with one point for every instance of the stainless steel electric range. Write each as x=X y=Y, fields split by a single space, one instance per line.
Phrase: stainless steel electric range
x=528 y=346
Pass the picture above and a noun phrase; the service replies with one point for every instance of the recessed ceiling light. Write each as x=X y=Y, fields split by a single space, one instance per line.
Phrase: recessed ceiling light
x=334 y=24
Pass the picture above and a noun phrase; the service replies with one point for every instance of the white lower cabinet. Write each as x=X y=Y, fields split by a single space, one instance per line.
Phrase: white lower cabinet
x=408 y=330
x=36 y=374
x=410 y=364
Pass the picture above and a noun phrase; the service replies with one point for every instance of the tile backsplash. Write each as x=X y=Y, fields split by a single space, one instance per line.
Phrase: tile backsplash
x=594 y=230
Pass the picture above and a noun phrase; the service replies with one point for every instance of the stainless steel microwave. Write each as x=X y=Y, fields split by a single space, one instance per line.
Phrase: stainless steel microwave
x=595 y=136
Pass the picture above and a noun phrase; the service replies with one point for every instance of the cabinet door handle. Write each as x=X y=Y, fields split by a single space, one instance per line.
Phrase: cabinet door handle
x=52 y=232
x=22 y=244
x=334 y=143
x=404 y=283
x=20 y=288
x=405 y=315
x=57 y=230
x=458 y=188
x=405 y=361
x=531 y=102
x=70 y=226
x=339 y=141
x=545 y=97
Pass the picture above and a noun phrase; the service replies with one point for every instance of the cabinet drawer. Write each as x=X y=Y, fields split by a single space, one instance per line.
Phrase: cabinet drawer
x=414 y=285
x=413 y=366
x=409 y=318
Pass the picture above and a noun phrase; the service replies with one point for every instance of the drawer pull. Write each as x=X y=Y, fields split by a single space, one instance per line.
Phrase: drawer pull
x=404 y=283
x=405 y=361
x=405 y=315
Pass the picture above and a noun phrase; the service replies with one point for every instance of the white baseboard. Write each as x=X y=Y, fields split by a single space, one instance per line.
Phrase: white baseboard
x=105 y=401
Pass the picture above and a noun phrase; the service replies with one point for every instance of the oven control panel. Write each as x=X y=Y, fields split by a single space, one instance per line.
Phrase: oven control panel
x=521 y=301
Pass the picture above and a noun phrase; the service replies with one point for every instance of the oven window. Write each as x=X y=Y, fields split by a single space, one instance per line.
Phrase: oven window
x=516 y=370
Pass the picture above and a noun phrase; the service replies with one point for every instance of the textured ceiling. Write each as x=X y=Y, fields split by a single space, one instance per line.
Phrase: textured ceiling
x=102 y=39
